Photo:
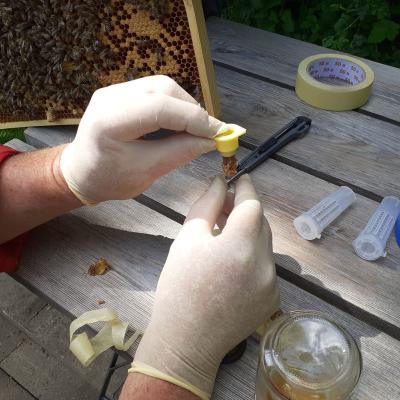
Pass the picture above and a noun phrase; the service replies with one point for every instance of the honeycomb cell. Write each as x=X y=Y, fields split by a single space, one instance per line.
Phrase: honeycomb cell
x=118 y=22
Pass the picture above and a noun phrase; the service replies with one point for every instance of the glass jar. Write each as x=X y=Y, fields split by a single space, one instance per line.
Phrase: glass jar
x=307 y=356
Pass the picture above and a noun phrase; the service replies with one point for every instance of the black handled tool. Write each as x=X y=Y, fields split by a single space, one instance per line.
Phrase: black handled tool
x=295 y=129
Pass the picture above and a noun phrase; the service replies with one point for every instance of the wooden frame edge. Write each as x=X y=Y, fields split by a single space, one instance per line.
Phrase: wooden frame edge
x=40 y=122
x=198 y=31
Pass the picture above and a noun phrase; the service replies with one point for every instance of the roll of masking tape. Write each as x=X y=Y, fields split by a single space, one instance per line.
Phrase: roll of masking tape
x=334 y=82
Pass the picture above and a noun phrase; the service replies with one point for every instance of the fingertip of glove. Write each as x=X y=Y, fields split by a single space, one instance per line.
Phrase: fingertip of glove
x=218 y=184
x=214 y=125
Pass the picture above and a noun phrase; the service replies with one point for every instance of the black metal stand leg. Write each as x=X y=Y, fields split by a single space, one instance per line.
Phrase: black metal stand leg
x=107 y=379
x=236 y=353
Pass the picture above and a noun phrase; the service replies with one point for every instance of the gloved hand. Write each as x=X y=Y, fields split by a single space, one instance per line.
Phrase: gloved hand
x=108 y=160
x=214 y=290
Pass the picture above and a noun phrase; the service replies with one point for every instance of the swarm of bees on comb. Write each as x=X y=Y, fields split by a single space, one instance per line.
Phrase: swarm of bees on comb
x=55 y=53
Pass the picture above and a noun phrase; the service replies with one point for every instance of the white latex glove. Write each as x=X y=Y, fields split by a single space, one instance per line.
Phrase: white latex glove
x=108 y=160
x=214 y=290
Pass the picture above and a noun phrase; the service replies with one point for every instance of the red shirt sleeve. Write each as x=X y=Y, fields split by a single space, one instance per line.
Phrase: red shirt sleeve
x=11 y=250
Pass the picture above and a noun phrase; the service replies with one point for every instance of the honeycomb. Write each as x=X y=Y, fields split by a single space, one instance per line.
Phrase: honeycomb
x=55 y=53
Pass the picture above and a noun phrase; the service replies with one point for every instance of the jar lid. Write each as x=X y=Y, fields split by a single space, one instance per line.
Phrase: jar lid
x=312 y=353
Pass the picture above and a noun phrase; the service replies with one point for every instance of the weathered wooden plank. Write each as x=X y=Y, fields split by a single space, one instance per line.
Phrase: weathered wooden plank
x=10 y=336
x=328 y=264
x=45 y=136
x=17 y=303
x=342 y=147
x=328 y=267
x=60 y=274
x=42 y=341
x=11 y=390
x=276 y=58
x=49 y=377
x=346 y=147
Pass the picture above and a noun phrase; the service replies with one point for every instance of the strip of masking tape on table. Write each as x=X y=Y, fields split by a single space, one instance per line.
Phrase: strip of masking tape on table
x=113 y=333
x=334 y=82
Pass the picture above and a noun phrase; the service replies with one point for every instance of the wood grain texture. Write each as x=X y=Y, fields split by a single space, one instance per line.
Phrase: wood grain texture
x=59 y=253
x=198 y=30
x=276 y=58
x=329 y=263
x=40 y=122
x=342 y=147
x=43 y=136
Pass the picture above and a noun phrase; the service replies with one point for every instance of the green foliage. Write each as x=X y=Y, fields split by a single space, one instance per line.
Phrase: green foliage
x=365 y=28
x=8 y=134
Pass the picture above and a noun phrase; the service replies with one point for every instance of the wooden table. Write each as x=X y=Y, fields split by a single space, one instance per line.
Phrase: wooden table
x=255 y=73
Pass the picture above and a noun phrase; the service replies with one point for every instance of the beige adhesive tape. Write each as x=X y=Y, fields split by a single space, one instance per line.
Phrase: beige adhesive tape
x=113 y=333
x=334 y=82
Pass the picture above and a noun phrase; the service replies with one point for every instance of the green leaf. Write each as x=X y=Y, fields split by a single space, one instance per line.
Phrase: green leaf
x=336 y=7
x=358 y=41
x=328 y=41
x=256 y=3
x=383 y=29
x=363 y=12
x=342 y=23
x=383 y=11
x=8 y=134
x=287 y=20
x=272 y=4
x=309 y=22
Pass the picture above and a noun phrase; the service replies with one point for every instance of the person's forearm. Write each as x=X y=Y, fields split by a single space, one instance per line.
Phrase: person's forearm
x=142 y=387
x=32 y=191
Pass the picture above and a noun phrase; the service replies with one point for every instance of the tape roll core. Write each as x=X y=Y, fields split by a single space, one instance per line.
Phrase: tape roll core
x=334 y=82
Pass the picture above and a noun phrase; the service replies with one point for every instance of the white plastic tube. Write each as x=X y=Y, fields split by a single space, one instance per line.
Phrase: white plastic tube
x=310 y=224
x=371 y=242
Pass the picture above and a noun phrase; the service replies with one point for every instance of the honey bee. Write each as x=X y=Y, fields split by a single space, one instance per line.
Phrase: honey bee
x=143 y=42
x=51 y=115
x=159 y=54
x=159 y=9
x=131 y=73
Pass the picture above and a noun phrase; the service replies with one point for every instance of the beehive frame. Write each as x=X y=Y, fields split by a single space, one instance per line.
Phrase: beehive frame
x=144 y=37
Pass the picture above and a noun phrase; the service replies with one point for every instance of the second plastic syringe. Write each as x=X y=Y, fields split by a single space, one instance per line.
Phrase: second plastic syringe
x=371 y=242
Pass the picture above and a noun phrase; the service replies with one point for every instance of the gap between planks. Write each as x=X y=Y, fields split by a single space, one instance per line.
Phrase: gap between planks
x=129 y=288
x=18 y=384
x=296 y=279
x=346 y=147
x=324 y=293
x=276 y=56
x=292 y=88
x=318 y=174
x=136 y=260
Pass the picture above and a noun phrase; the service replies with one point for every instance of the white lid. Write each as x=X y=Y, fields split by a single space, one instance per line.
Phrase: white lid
x=311 y=352
x=307 y=227
x=368 y=247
